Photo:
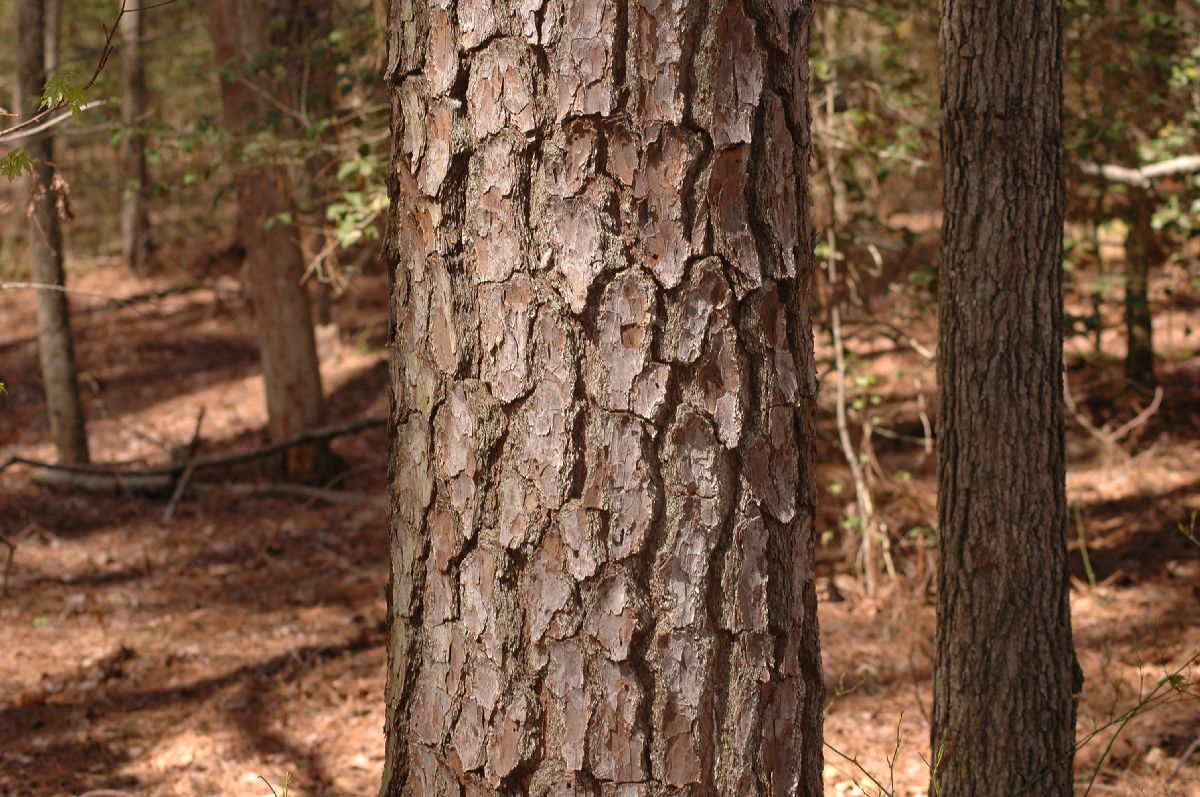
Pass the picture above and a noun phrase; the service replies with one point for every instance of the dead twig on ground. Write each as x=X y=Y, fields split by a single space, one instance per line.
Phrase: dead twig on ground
x=319 y=494
x=1111 y=439
x=189 y=468
x=1191 y=748
x=853 y=760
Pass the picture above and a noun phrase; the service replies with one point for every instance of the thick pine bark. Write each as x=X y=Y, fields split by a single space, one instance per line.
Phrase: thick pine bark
x=135 y=219
x=603 y=394
x=243 y=30
x=55 y=348
x=1004 y=678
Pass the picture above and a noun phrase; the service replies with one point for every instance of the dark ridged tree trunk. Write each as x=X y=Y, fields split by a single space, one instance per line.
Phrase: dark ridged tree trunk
x=1005 y=673
x=603 y=395
x=135 y=176
x=46 y=204
x=242 y=31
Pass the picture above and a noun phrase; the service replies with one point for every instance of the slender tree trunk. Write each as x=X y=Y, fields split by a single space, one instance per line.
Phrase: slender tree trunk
x=242 y=30
x=135 y=219
x=603 y=383
x=1139 y=248
x=315 y=74
x=1005 y=673
x=1142 y=247
x=46 y=205
x=52 y=33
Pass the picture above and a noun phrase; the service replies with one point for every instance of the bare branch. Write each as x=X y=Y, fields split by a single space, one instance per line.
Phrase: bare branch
x=1144 y=176
x=49 y=123
x=156 y=476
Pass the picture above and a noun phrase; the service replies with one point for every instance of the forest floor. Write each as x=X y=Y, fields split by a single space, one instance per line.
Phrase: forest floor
x=243 y=640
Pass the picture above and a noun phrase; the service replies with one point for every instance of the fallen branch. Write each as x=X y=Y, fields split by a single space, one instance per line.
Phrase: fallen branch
x=295 y=491
x=113 y=481
x=158 y=478
x=45 y=286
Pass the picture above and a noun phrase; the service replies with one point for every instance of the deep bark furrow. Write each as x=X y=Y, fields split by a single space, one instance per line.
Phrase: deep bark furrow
x=602 y=510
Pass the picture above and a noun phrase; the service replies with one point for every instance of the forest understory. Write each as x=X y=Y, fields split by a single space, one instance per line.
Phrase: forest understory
x=242 y=643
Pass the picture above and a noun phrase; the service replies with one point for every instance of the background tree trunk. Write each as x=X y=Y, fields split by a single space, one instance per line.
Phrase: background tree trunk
x=52 y=34
x=243 y=30
x=314 y=73
x=1004 y=678
x=1139 y=325
x=1143 y=250
x=135 y=219
x=47 y=202
x=603 y=383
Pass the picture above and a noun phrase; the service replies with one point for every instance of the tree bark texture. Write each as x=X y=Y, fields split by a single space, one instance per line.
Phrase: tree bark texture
x=603 y=395
x=47 y=204
x=1005 y=673
x=242 y=31
x=135 y=218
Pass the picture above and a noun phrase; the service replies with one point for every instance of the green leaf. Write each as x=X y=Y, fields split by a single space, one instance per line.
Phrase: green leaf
x=14 y=164
x=64 y=88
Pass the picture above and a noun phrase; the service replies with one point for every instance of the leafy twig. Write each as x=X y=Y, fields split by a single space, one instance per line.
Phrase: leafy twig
x=62 y=93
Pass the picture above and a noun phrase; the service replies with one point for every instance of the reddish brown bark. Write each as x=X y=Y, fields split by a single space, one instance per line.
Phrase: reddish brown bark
x=602 y=528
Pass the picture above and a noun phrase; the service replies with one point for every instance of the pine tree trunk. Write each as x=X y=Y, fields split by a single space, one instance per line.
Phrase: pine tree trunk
x=46 y=202
x=1005 y=673
x=603 y=384
x=242 y=30
x=135 y=220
